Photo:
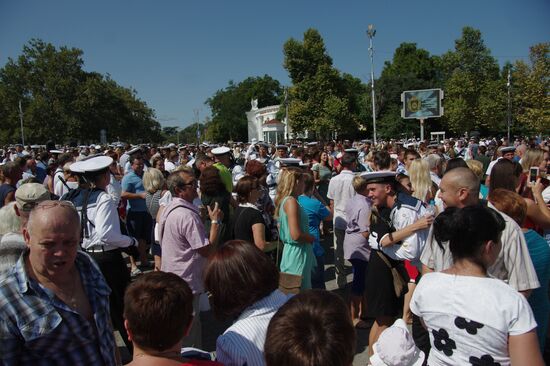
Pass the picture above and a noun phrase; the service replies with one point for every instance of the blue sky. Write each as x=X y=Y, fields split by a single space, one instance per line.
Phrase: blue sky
x=176 y=54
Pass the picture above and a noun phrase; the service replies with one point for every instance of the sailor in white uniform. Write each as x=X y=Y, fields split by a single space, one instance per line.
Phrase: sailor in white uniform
x=100 y=230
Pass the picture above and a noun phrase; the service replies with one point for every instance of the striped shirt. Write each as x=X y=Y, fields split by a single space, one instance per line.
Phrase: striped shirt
x=36 y=328
x=243 y=342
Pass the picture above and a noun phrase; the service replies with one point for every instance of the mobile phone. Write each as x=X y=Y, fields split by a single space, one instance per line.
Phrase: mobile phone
x=533 y=174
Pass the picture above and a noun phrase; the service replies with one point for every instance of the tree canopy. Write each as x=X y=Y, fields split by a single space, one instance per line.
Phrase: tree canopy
x=229 y=106
x=62 y=102
x=322 y=100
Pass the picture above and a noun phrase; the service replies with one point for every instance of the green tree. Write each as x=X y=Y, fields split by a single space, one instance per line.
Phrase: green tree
x=474 y=89
x=229 y=106
x=321 y=99
x=531 y=86
x=411 y=68
x=62 y=102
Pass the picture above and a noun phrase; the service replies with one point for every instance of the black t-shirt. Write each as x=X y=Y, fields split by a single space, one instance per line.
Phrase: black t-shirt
x=5 y=189
x=245 y=217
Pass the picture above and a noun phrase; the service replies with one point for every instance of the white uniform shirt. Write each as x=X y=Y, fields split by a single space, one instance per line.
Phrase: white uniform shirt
x=106 y=230
x=57 y=190
x=410 y=248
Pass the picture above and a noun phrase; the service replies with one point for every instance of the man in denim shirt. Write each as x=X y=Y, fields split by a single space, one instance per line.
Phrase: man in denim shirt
x=54 y=304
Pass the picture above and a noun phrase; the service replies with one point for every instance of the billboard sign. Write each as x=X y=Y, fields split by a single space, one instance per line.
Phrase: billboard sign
x=422 y=104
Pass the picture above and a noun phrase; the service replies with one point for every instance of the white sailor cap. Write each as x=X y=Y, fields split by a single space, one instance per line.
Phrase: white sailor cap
x=382 y=176
x=220 y=150
x=313 y=143
x=134 y=150
x=91 y=164
x=56 y=151
x=171 y=145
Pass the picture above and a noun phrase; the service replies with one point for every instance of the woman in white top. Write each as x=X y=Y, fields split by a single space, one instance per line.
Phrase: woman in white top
x=242 y=282
x=473 y=319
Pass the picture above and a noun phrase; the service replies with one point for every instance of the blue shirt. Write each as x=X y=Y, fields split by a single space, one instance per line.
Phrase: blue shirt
x=36 y=328
x=316 y=212
x=133 y=183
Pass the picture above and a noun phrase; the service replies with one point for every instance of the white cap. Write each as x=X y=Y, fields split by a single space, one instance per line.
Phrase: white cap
x=134 y=150
x=91 y=164
x=395 y=347
x=56 y=151
x=220 y=150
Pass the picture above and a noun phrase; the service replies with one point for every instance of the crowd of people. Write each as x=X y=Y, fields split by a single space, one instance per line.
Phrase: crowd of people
x=448 y=243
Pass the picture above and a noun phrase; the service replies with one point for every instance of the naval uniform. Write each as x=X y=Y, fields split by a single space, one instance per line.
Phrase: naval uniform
x=381 y=299
x=102 y=240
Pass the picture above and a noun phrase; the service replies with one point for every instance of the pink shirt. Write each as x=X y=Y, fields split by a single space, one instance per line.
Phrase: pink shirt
x=181 y=238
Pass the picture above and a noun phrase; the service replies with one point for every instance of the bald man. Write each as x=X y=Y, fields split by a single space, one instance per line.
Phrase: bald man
x=54 y=303
x=460 y=188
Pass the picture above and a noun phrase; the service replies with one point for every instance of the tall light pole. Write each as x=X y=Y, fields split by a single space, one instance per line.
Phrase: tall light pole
x=509 y=85
x=371 y=32
x=21 y=122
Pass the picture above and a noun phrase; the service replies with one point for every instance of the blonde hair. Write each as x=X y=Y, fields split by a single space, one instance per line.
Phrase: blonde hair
x=153 y=180
x=288 y=179
x=419 y=174
x=9 y=221
x=359 y=184
x=532 y=157
x=476 y=167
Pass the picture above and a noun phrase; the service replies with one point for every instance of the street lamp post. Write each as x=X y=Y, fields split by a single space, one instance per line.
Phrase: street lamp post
x=371 y=32
x=509 y=85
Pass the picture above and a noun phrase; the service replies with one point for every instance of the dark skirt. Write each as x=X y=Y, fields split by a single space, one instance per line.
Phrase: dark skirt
x=379 y=291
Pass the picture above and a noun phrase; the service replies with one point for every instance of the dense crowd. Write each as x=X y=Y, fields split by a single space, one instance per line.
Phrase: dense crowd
x=448 y=242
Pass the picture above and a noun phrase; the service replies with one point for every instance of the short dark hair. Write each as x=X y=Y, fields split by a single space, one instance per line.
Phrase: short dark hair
x=64 y=159
x=312 y=328
x=244 y=186
x=175 y=180
x=158 y=307
x=237 y=275
x=412 y=152
x=211 y=181
x=382 y=160
x=505 y=174
x=348 y=159
x=255 y=169
x=455 y=163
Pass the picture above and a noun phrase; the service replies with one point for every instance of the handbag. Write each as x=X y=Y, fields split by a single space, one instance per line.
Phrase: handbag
x=399 y=284
x=289 y=283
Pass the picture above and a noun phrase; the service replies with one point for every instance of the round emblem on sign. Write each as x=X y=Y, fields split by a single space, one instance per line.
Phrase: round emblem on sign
x=414 y=104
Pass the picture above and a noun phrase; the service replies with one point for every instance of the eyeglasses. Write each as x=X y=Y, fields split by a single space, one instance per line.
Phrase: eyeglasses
x=193 y=183
x=49 y=204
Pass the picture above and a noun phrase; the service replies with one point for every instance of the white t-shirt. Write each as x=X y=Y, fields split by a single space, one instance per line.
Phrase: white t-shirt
x=470 y=318
x=340 y=190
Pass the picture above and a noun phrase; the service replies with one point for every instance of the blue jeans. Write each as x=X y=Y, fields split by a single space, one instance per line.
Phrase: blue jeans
x=318 y=274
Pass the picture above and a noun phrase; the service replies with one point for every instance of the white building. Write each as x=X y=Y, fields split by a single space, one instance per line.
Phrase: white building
x=264 y=126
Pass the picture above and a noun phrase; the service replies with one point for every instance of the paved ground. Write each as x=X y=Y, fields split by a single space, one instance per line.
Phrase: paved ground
x=212 y=327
